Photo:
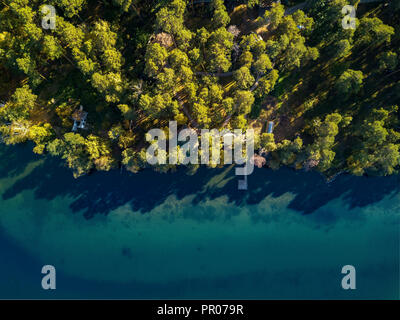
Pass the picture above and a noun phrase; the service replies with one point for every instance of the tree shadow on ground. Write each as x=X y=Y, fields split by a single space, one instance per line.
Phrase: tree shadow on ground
x=14 y=159
x=102 y=192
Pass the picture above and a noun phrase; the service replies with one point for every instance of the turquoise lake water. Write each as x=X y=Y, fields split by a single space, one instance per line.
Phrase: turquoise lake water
x=149 y=235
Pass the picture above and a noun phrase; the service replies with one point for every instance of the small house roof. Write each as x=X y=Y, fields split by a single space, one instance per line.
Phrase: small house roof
x=271 y=126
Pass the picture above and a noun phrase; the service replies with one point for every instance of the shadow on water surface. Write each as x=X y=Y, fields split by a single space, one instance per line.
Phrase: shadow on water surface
x=101 y=193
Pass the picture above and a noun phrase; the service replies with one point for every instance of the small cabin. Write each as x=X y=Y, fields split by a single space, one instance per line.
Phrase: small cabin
x=270 y=126
x=79 y=117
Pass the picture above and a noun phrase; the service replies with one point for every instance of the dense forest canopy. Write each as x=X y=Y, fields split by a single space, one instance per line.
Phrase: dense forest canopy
x=133 y=65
